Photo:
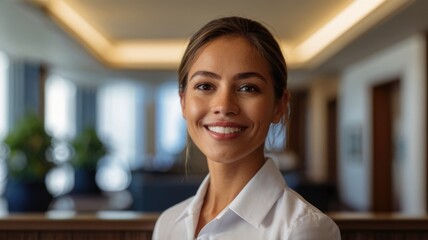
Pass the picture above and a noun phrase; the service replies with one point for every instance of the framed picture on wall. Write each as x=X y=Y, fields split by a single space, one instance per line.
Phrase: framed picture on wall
x=353 y=142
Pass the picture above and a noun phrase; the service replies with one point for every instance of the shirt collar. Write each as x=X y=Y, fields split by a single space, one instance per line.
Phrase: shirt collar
x=256 y=199
x=196 y=203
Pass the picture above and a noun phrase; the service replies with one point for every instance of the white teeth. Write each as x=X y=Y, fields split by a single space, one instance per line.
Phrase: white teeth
x=224 y=130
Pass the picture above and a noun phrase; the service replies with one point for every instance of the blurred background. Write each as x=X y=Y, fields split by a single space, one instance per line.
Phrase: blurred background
x=90 y=117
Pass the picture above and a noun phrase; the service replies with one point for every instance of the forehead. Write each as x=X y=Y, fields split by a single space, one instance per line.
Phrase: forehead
x=233 y=53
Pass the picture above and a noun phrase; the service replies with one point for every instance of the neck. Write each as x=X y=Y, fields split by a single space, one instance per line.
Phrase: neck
x=228 y=179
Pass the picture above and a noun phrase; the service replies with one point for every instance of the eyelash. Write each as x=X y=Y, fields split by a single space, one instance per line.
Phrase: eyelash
x=204 y=87
x=250 y=88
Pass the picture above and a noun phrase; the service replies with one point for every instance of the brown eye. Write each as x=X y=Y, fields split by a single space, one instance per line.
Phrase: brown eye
x=204 y=87
x=248 y=88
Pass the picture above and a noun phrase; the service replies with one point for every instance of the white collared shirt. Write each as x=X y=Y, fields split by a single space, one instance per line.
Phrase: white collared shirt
x=265 y=209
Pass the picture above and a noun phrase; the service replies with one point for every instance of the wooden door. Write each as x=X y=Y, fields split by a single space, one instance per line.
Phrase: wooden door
x=382 y=148
x=332 y=141
x=297 y=126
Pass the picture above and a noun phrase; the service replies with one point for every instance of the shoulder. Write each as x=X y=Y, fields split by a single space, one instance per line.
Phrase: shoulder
x=168 y=218
x=306 y=221
x=314 y=226
x=171 y=214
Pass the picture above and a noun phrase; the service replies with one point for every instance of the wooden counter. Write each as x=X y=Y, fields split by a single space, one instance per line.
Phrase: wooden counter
x=131 y=225
x=70 y=226
x=377 y=226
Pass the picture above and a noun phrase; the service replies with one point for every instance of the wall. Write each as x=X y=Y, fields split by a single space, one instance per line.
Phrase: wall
x=406 y=61
x=321 y=91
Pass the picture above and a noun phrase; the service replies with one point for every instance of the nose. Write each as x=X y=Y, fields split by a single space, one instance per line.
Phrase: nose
x=226 y=103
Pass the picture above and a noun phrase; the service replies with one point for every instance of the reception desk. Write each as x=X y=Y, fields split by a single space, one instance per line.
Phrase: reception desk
x=378 y=226
x=72 y=226
x=132 y=225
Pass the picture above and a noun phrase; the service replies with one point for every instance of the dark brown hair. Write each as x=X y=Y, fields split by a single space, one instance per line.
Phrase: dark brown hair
x=256 y=34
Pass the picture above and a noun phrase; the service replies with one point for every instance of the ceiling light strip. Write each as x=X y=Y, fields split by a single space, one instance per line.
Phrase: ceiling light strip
x=159 y=52
x=328 y=33
x=78 y=25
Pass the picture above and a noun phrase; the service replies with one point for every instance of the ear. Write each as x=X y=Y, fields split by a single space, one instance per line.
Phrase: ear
x=182 y=103
x=281 y=107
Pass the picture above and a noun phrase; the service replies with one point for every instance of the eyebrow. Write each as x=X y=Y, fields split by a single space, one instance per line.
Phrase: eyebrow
x=247 y=75
x=205 y=74
x=239 y=76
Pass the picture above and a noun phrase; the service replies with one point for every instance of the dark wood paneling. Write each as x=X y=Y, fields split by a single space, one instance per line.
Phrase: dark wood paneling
x=368 y=226
x=382 y=142
x=371 y=226
x=296 y=141
x=118 y=226
x=332 y=140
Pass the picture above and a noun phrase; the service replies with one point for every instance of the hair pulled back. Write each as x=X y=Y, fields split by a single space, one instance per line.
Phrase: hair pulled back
x=255 y=33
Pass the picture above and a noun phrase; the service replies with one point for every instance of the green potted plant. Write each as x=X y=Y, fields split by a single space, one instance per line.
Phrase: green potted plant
x=27 y=164
x=88 y=150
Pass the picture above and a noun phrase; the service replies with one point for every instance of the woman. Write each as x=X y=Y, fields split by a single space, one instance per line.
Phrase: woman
x=232 y=82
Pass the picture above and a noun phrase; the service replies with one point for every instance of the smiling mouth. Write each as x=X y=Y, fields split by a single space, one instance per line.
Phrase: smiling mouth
x=225 y=130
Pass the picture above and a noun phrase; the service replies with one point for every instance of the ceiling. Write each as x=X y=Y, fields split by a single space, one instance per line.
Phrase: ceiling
x=153 y=19
x=148 y=34
x=36 y=31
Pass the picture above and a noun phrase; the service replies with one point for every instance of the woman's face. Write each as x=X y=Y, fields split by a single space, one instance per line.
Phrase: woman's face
x=229 y=101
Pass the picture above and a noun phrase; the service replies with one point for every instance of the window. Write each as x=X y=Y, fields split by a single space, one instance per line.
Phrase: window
x=3 y=95
x=170 y=125
x=3 y=115
x=120 y=124
x=60 y=115
x=60 y=108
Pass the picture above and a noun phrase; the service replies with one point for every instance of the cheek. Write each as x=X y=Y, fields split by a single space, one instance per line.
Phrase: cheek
x=194 y=109
x=261 y=111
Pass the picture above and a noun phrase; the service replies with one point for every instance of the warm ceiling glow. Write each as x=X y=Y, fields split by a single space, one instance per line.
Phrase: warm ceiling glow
x=328 y=33
x=78 y=25
x=162 y=53
x=165 y=54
